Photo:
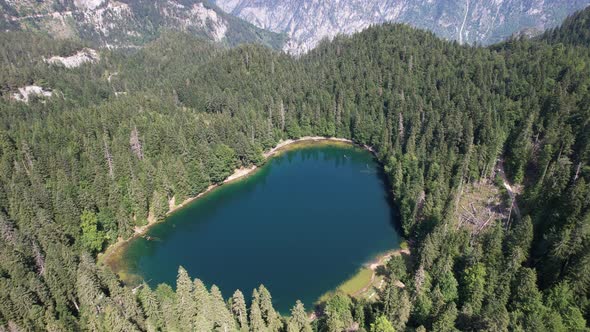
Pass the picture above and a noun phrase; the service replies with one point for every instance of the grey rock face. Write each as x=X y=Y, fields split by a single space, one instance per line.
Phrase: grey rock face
x=129 y=23
x=306 y=22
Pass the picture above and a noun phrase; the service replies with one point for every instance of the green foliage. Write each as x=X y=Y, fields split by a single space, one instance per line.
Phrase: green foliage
x=397 y=305
x=338 y=315
x=222 y=164
x=298 y=322
x=238 y=309
x=561 y=299
x=396 y=267
x=121 y=137
x=257 y=324
x=92 y=238
x=272 y=320
x=473 y=288
x=382 y=325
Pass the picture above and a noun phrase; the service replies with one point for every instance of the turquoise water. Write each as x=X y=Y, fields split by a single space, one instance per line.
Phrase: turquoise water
x=301 y=225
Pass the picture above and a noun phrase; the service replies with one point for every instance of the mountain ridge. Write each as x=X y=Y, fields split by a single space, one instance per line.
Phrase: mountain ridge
x=306 y=22
x=130 y=23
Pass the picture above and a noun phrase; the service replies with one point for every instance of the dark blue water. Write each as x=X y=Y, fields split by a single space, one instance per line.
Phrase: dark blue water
x=301 y=225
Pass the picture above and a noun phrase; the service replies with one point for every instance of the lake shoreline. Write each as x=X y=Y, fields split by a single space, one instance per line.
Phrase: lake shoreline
x=358 y=292
x=107 y=255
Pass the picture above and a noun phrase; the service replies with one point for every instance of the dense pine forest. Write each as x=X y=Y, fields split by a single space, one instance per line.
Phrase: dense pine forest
x=122 y=137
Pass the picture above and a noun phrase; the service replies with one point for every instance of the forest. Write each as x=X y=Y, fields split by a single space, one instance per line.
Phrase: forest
x=121 y=137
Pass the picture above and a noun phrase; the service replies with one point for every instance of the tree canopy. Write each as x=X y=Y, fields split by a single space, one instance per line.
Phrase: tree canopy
x=121 y=139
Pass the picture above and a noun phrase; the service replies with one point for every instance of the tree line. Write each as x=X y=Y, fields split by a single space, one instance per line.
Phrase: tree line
x=123 y=137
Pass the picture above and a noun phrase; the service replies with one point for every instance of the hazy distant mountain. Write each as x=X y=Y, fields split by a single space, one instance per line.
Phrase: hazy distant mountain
x=129 y=23
x=306 y=22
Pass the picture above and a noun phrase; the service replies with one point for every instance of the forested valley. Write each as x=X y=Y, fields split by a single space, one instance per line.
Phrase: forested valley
x=122 y=137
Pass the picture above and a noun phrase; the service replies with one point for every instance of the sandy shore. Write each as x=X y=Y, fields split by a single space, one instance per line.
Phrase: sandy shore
x=237 y=174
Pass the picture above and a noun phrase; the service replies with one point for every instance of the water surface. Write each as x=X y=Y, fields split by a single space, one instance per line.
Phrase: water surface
x=301 y=225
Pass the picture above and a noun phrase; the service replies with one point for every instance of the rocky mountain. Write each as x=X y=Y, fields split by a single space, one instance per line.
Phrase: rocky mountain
x=306 y=22
x=130 y=23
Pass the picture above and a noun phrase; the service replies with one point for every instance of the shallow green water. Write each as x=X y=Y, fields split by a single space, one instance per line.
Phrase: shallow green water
x=301 y=225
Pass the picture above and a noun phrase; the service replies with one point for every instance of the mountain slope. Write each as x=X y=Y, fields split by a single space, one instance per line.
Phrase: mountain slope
x=130 y=23
x=120 y=137
x=574 y=30
x=483 y=21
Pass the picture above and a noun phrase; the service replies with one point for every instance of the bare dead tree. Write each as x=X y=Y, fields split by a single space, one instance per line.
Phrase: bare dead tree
x=419 y=278
x=135 y=143
x=7 y=231
x=28 y=161
x=282 y=114
x=108 y=156
x=578 y=171
x=39 y=258
x=400 y=128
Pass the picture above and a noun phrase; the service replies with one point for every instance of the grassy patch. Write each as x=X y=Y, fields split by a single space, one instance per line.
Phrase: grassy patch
x=351 y=286
x=359 y=281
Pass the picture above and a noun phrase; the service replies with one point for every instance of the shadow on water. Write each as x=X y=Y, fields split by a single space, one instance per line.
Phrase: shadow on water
x=395 y=215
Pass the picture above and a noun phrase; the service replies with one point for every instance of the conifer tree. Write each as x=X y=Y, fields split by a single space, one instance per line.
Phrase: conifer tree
x=338 y=316
x=186 y=309
x=270 y=316
x=298 y=322
x=256 y=321
x=381 y=324
x=238 y=308
x=151 y=308
x=397 y=305
x=204 y=315
x=223 y=319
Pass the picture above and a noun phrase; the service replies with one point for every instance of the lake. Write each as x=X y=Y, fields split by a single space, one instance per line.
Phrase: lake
x=301 y=225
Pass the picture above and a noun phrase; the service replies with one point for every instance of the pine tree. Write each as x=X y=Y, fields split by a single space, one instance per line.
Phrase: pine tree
x=382 y=325
x=224 y=321
x=202 y=298
x=151 y=308
x=92 y=239
x=238 y=308
x=256 y=321
x=397 y=305
x=270 y=316
x=298 y=322
x=337 y=313
x=186 y=309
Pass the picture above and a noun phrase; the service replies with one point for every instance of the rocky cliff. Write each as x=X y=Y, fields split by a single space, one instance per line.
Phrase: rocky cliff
x=130 y=23
x=306 y=22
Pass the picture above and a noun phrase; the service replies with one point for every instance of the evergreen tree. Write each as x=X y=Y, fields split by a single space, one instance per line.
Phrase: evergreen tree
x=397 y=305
x=186 y=308
x=271 y=318
x=382 y=325
x=337 y=313
x=92 y=239
x=257 y=323
x=238 y=308
x=298 y=322
x=204 y=317
x=223 y=319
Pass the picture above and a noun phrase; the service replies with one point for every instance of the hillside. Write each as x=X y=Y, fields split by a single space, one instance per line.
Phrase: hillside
x=307 y=22
x=130 y=23
x=574 y=30
x=121 y=136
